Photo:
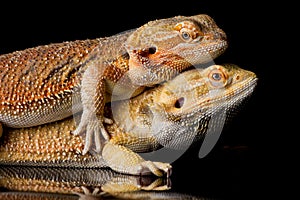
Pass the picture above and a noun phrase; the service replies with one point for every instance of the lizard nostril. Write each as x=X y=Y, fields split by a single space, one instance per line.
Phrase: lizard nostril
x=152 y=50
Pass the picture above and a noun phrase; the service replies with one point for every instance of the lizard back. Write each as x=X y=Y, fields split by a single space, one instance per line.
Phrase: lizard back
x=42 y=84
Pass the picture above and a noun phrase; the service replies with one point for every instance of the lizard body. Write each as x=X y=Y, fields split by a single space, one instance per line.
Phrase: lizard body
x=169 y=115
x=48 y=83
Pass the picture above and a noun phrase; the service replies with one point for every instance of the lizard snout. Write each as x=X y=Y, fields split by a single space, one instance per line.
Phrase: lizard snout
x=220 y=35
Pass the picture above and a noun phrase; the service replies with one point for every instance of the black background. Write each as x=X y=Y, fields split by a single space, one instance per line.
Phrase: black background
x=242 y=163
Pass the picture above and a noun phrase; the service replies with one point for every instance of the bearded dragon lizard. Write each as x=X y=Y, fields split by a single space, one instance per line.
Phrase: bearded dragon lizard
x=48 y=83
x=169 y=115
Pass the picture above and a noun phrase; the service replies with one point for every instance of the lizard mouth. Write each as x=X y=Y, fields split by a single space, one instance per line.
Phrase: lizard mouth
x=203 y=54
x=212 y=50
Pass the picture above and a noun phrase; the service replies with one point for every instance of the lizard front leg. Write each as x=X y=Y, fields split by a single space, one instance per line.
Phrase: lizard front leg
x=93 y=102
x=124 y=160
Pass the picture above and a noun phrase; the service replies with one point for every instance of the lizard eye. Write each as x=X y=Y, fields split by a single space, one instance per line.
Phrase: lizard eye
x=179 y=102
x=217 y=78
x=189 y=31
x=185 y=35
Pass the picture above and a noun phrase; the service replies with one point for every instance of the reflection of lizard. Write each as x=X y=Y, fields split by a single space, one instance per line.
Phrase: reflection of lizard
x=48 y=83
x=169 y=115
x=70 y=181
x=37 y=183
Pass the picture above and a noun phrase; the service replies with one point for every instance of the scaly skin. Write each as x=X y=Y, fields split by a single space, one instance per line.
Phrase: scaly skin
x=36 y=183
x=170 y=115
x=49 y=83
x=70 y=181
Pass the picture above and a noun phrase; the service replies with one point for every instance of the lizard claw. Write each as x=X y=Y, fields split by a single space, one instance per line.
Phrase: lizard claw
x=88 y=194
x=94 y=131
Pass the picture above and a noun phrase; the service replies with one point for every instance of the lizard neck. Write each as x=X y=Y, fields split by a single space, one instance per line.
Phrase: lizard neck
x=133 y=123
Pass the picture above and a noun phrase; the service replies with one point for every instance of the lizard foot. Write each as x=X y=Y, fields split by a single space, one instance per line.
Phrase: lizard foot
x=122 y=159
x=93 y=129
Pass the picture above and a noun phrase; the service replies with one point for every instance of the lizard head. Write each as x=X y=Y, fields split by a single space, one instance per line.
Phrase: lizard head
x=161 y=49
x=195 y=101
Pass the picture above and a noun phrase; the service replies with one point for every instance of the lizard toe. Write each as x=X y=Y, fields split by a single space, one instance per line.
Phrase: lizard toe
x=165 y=167
x=95 y=136
x=108 y=121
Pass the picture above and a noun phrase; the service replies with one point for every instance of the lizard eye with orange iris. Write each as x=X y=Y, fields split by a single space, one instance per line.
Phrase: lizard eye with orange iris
x=217 y=78
x=189 y=31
